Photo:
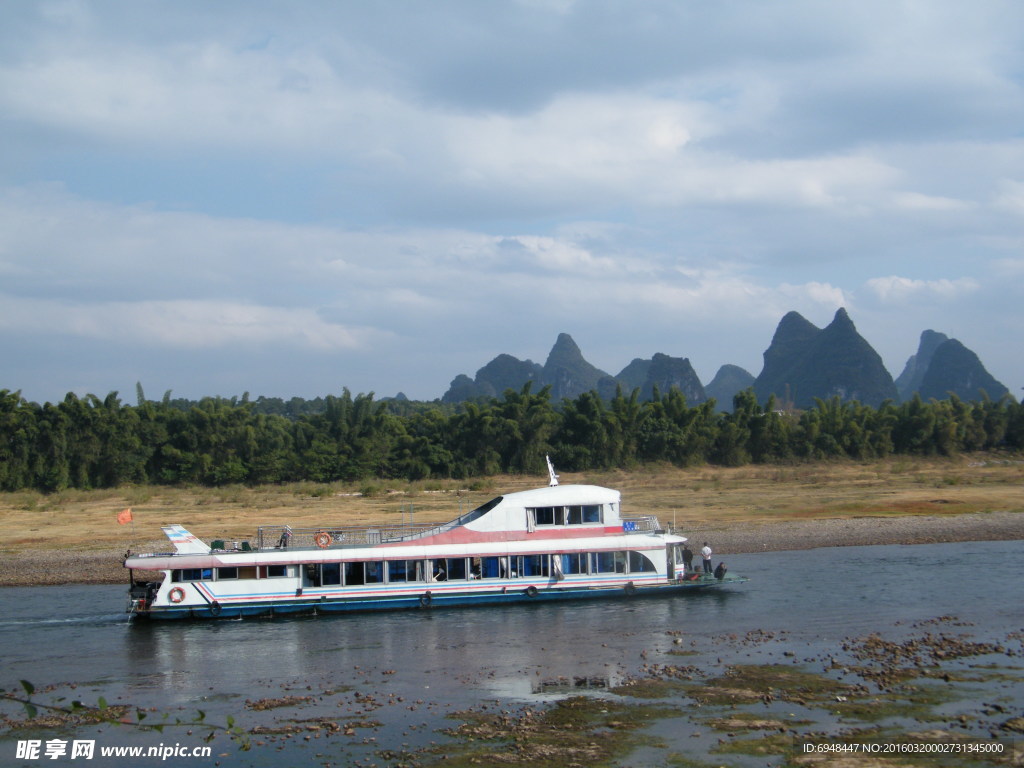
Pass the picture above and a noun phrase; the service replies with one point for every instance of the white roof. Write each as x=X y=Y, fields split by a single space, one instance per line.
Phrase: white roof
x=562 y=495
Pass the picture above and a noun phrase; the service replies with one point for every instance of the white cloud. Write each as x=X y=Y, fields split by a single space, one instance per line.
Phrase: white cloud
x=824 y=294
x=561 y=255
x=915 y=201
x=205 y=94
x=845 y=182
x=895 y=289
x=649 y=150
x=186 y=324
x=1009 y=268
x=586 y=137
x=1010 y=197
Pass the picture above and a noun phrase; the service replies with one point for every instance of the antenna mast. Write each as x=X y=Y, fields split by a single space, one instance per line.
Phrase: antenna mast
x=551 y=473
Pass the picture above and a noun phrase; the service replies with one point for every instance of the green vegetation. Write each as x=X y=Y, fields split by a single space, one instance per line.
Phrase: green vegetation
x=63 y=714
x=89 y=443
x=574 y=731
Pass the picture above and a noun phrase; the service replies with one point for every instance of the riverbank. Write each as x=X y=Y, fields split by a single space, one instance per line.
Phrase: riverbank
x=73 y=537
x=39 y=567
x=860 y=532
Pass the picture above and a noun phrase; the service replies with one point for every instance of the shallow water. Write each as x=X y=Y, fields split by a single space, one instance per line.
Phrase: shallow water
x=421 y=665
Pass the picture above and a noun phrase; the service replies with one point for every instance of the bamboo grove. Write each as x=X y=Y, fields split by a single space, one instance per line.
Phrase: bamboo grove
x=93 y=443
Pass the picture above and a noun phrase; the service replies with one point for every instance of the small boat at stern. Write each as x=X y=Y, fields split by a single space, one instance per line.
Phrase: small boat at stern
x=560 y=542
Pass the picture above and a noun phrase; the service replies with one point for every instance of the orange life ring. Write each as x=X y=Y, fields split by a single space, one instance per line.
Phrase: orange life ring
x=176 y=595
x=322 y=539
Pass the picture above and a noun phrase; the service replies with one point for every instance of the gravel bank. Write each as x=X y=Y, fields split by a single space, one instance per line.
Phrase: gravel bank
x=43 y=567
x=859 y=531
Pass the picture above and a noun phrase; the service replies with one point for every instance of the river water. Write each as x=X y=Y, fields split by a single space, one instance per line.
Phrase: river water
x=397 y=675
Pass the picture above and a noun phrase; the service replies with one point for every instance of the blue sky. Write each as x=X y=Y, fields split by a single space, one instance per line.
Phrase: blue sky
x=287 y=199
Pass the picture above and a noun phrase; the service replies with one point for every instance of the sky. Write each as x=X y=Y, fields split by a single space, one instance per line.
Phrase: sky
x=287 y=199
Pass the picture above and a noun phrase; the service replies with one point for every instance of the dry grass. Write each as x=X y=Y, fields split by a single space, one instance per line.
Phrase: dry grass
x=86 y=521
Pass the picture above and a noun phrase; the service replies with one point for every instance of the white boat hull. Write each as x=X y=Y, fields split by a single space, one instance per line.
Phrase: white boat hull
x=425 y=596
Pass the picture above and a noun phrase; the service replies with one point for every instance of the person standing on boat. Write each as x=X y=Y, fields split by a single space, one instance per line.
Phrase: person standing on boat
x=687 y=558
x=706 y=554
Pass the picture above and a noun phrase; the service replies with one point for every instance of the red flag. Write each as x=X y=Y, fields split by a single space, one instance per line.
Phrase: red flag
x=124 y=516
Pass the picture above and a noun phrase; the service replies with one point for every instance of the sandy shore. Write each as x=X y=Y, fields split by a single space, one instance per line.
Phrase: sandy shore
x=46 y=567
x=860 y=531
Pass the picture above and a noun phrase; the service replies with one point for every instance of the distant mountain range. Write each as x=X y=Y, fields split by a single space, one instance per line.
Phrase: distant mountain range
x=570 y=375
x=943 y=365
x=803 y=362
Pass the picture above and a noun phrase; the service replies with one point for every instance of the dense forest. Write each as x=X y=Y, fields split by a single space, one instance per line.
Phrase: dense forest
x=93 y=443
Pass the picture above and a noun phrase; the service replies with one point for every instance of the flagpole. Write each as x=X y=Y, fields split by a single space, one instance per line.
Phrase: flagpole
x=126 y=516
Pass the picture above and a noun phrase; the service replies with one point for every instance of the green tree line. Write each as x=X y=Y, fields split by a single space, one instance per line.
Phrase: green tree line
x=88 y=442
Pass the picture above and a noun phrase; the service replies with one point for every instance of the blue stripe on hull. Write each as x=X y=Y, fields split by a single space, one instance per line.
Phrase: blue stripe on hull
x=437 y=599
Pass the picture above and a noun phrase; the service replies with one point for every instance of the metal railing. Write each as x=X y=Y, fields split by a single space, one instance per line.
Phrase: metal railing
x=287 y=537
x=284 y=536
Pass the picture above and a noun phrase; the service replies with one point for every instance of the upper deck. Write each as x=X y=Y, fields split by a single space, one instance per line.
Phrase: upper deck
x=534 y=511
x=555 y=511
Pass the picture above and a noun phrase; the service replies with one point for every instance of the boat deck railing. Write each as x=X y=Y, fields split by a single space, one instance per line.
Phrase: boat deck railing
x=279 y=536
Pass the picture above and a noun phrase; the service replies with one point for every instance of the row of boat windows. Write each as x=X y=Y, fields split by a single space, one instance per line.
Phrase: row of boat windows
x=573 y=515
x=439 y=569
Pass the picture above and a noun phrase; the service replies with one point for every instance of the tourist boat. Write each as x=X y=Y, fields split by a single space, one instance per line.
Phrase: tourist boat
x=552 y=543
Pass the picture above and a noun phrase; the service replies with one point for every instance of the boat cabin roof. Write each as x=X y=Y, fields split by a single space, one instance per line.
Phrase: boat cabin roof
x=562 y=495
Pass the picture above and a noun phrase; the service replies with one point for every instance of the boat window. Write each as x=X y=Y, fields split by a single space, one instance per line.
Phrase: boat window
x=608 y=562
x=374 y=571
x=640 y=563
x=405 y=570
x=273 y=571
x=247 y=572
x=370 y=572
x=454 y=567
x=330 y=574
x=192 y=574
x=548 y=515
x=491 y=567
x=487 y=507
x=577 y=514
x=227 y=573
x=312 y=571
x=530 y=565
x=354 y=574
x=575 y=562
